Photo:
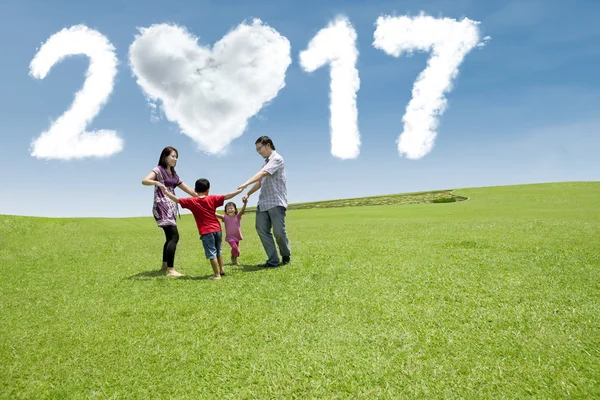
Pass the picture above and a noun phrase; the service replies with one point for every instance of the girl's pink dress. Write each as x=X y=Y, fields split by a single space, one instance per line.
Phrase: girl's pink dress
x=233 y=231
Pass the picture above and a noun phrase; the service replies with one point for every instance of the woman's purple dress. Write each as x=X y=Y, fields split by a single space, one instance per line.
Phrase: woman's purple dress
x=164 y=209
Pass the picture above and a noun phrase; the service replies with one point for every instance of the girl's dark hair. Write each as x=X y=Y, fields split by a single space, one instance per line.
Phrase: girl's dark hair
x=231 y=203
x=162 y=161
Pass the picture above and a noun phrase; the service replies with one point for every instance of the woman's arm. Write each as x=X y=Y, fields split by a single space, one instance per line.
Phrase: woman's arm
x=150 y=180
x=187 y=189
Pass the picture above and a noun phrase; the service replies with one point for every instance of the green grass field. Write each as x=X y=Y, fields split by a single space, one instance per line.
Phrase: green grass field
x=494 y=297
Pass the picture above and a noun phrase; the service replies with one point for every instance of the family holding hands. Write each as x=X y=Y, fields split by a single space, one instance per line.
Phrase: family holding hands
x=270 y=210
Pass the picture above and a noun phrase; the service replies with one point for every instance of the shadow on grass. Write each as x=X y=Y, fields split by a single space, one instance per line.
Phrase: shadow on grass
x=247 y=268
x=157 y=274
x=147 y=275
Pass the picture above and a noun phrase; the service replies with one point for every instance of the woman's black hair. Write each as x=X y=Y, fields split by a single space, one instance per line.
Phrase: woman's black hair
x=162 y=161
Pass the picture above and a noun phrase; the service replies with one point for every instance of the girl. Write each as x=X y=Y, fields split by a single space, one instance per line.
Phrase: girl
x=233 y=231
x=164 y=210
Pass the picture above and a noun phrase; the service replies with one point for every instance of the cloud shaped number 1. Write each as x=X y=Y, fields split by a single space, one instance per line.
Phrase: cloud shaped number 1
x=211 y=94
x=336 y=46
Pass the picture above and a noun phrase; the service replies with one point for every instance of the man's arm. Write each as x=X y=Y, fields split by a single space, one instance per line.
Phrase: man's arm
x=169 y=195
x=253 y=189
x=256 y=178
x=233 y=194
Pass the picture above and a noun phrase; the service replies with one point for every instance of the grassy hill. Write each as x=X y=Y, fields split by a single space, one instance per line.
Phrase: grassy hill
x=495 y=297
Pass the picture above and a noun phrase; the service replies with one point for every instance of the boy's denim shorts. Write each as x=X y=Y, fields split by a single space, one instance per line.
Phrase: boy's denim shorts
x=212 y=244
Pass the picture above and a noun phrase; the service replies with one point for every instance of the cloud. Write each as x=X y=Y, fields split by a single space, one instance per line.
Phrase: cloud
x=67 y=138
x=484 y=41
x=336 y=45
x=448 y=41
x=210 y=94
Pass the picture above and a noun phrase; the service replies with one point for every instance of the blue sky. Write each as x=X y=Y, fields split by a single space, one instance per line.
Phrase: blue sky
x=525 y=108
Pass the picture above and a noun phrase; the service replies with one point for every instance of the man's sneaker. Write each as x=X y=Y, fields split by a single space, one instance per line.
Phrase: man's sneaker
x=285 y=260
x=267 y=265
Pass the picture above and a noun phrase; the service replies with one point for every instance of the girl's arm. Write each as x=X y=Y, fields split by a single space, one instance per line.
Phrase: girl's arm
x=187 y=189
x=219 y=216
x=243 y=209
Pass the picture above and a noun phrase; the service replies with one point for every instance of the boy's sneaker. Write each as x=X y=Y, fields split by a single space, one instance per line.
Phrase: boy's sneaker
x=285 y=260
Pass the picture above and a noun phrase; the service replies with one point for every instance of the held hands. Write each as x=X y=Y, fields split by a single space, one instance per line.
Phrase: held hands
x=160 y=186
x=245 y=199
x=242 y=187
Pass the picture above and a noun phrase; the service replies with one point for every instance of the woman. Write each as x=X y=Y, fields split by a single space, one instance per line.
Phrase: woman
x=164 y=210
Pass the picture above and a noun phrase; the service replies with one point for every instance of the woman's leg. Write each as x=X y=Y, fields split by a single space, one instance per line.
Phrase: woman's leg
x=172 y=237
x=164 y=254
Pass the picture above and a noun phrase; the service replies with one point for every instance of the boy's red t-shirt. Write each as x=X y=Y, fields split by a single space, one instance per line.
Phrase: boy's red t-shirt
x=203 y=209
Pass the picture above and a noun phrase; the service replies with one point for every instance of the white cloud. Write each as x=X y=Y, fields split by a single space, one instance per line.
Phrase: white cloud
x=336 y=45
x=210 y=94
x=67 y=138
x=484 y=41
x=448 y=41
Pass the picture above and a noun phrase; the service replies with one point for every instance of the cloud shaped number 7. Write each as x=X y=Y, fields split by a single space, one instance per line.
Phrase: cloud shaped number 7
x=449 y=41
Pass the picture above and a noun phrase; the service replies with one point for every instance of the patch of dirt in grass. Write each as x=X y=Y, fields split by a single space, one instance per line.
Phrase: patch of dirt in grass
x=441 y=196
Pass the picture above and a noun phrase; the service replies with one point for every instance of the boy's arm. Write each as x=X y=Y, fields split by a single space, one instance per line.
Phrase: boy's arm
x=169 y=195
x=233 y=194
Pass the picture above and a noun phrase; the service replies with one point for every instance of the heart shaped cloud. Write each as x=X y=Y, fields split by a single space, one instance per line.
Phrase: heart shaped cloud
x=210 y=94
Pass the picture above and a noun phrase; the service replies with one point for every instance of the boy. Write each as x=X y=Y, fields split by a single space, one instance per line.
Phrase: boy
x=203 y=208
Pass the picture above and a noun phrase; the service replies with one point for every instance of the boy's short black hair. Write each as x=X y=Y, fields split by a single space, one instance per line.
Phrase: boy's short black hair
x=202 y=185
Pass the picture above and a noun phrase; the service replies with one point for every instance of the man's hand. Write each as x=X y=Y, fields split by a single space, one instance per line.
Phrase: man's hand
x=245 y=199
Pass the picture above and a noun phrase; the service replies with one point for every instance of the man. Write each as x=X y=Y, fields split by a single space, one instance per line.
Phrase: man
x=272 y=202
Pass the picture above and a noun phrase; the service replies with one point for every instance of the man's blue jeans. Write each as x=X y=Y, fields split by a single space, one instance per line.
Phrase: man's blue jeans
x=273 y=217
